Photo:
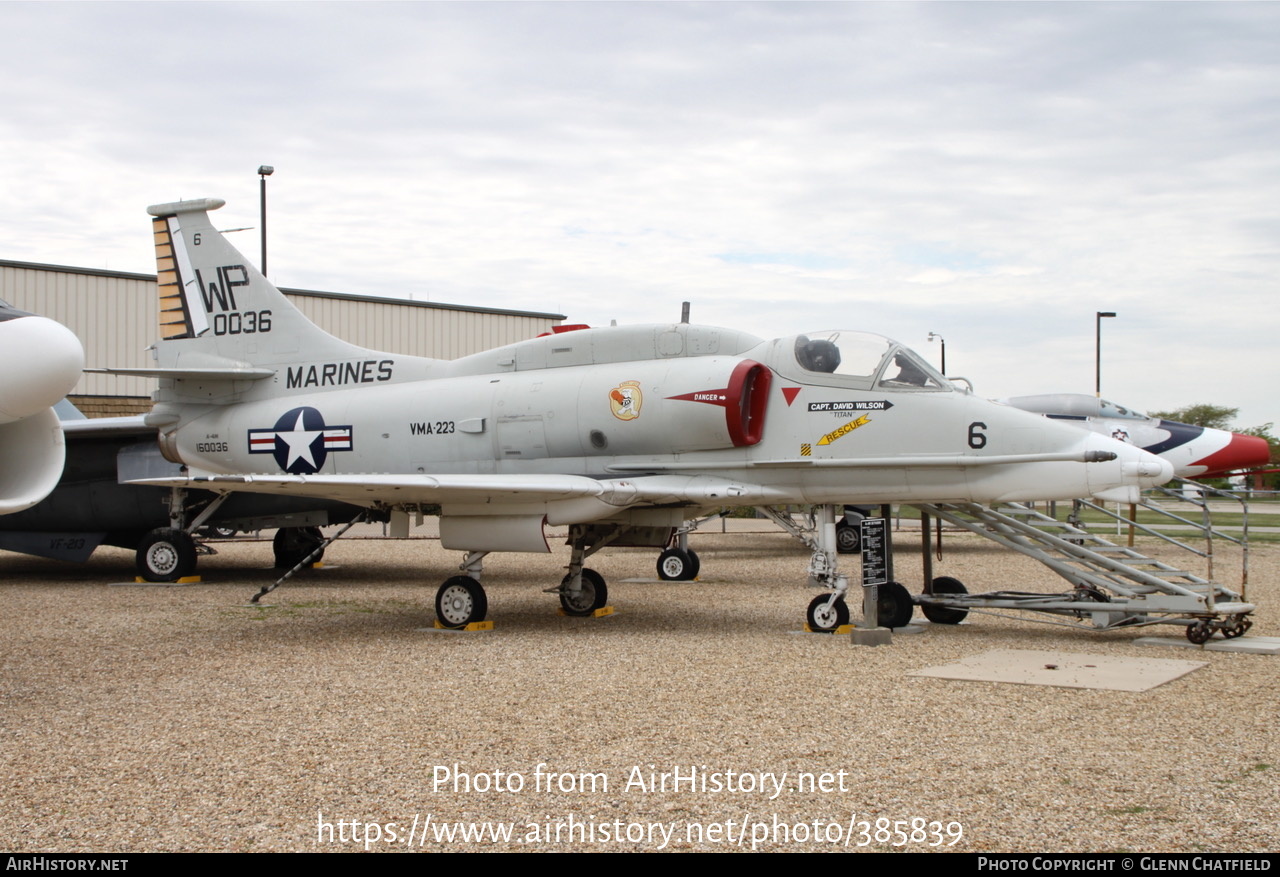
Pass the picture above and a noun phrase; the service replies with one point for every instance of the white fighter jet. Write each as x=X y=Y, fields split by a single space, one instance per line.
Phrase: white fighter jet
x=620 y=433
x=40 y=361
x=1194 y=451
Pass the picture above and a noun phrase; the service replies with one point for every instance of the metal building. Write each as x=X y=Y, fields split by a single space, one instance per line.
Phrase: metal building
x=114 y=313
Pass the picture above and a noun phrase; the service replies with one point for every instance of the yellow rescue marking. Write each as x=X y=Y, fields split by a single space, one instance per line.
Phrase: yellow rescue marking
x=844 y=430
x=806 y=450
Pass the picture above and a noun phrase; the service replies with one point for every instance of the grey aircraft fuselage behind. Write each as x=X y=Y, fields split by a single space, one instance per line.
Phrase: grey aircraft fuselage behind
x=41 y=361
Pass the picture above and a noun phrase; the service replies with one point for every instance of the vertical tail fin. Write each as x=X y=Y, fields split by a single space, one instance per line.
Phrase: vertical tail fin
x=216 y=309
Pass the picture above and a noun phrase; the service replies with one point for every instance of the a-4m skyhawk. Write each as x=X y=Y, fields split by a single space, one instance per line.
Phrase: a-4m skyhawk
x=620 y=433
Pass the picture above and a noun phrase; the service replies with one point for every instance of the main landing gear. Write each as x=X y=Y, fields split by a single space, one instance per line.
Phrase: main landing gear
x=292 y=545
x=168 y=554
x=461 y=600
x=679 y=563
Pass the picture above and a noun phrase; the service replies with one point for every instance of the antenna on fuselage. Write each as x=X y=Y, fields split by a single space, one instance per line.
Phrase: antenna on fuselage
x=684 y=312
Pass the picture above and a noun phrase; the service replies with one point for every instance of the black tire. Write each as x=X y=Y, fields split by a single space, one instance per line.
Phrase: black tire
x=1199 y=632
x=848 y=538
x=292 y=545
x=166 y=555
x=894 y=602
x=825 y=619
x=1239 y=628
x=594 y=595
x=945 y=614
x=218 y=532
x=461 y=601
x=675 y=565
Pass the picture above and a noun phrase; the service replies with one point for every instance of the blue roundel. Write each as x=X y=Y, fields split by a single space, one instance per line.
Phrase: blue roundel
x=300 y=441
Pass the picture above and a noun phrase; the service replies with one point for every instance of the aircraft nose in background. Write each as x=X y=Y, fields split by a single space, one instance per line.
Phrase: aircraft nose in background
x=41 y=361
x=1241 y=452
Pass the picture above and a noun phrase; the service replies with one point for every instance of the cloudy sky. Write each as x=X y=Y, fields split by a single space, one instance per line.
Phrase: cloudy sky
x=993 y=172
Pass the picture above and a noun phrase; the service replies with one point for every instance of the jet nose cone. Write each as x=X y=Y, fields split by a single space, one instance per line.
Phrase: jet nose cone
x=1151 y=471
x=1132 y=471
x=1241 y=452
x=41 y=361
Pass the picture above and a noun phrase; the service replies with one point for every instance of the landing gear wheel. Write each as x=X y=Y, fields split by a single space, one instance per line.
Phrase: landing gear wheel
x=1199 y=632
x=895 y=605
x=675 y=565
x=848 y=538
x=461 y=601
x=945 y=614
x=824 y=618
x=166 y=555
x=593 y=596
x=292 y=545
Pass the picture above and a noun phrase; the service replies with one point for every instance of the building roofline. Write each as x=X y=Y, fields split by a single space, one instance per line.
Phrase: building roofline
x=310 y=293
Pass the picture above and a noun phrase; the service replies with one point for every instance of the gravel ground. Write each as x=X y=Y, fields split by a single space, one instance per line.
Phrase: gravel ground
x=152 y=718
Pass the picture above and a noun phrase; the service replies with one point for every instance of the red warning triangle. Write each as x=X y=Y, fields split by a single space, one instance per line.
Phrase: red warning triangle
x=790 y=393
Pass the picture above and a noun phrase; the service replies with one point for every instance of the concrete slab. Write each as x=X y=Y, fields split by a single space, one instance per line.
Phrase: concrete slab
x=1064 y=670
x=1245 y=645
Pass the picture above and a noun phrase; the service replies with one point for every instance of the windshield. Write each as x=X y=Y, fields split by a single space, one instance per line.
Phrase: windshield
x=866 y=356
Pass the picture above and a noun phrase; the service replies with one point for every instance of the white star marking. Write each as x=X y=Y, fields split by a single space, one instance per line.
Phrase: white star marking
x=299 y=442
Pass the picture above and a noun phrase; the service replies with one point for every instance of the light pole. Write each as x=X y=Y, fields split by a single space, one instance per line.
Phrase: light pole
x=933 y=335
x=264 y=171
x=1097 y=352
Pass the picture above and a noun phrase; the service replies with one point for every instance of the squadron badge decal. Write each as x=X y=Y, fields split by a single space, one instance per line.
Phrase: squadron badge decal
x=300 y=441
x=625 y=400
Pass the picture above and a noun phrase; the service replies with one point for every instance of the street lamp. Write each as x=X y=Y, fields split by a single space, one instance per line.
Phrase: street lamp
x=264 y=171
x=1097 y=352
x=933 y=335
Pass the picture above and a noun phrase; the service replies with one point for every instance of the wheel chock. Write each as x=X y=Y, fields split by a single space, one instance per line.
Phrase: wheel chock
x=473 y=626
x=599 y=613
x=844 y=629
x=185 y=580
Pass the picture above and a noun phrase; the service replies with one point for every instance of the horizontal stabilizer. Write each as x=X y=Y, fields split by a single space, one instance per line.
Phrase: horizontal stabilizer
x=198 y=374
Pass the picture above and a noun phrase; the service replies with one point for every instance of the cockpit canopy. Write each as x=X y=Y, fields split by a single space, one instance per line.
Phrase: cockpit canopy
x=1076 y=406
x=864 y=360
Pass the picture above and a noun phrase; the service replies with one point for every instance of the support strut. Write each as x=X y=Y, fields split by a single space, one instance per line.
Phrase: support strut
x=358 y=519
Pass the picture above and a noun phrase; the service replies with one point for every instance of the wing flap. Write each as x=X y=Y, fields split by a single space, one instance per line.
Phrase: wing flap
x=502 y=491
x=398 y=489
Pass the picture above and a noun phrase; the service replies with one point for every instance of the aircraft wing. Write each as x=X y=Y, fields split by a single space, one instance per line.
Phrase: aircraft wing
x=393 y=490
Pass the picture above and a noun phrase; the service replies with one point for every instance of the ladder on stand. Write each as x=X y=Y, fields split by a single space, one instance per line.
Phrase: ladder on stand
x=1113 y=585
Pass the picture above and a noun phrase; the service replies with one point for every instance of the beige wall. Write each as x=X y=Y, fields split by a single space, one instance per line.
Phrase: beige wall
x=114 y=315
